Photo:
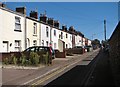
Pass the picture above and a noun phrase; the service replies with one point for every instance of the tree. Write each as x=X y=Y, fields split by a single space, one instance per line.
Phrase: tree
x=95 y=43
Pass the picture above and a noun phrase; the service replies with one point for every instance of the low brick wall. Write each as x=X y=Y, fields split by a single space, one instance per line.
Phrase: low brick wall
x=60 y=54
x=7 y=55
x=75 y=51
x=114 y=52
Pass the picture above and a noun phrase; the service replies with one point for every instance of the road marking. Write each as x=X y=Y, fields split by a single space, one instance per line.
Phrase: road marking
x=48 y=77
x=53 y=74
x=40 y=76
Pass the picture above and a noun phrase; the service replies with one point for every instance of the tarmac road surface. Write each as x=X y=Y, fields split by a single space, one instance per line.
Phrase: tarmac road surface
x=96 y=73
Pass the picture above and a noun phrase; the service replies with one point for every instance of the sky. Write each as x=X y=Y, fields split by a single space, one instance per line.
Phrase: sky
x=86 y=17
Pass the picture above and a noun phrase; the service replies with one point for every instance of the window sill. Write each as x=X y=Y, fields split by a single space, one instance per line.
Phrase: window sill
x=17 y=47
x=35 y=35
x=18 y=30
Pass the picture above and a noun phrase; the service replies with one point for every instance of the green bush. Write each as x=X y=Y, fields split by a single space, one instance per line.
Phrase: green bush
x=14 y=60
x=23 y=59
x=11 y=61
x=34 y=58
x=47 y=58
x=6 y=61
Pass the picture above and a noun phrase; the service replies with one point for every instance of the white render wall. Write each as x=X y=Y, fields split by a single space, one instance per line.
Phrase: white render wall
x=30 y=35
x=8 y=33
x=89 y=43
x=69 y=41
x=83 y=41
x=43 y=34
x=1 y=27
x=78 y=40
x=55 y=38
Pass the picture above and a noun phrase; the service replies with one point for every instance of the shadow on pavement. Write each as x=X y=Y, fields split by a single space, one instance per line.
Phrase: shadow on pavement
x=96 y=73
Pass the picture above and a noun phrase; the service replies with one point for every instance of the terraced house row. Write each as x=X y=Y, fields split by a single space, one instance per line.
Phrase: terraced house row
x=19 y=31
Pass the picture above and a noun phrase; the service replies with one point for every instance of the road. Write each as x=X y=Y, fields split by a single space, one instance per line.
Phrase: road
x=96 y=73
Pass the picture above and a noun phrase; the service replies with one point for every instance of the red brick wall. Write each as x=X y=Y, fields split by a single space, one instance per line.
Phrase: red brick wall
x=7 y=55
x=114 y=52
x=60 y=54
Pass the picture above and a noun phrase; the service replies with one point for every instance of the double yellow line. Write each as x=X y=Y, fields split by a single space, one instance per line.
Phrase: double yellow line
x=48 y=77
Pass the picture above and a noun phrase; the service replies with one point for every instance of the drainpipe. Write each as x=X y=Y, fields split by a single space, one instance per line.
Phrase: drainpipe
x=51 y=36
x=25 y=33
x=40 y=34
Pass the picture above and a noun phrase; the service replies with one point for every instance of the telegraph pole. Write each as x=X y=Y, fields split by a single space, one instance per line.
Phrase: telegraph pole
x=105 y=29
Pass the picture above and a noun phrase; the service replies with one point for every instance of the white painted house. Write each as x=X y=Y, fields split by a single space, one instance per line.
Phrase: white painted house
x=18 y=32
x=69 y=40
x=89 y=42
x=78 y=40
x=33 y=33
x=66 y=37
x=45 y=34
x=55 y=37
x=12 y=30
x=83 y=41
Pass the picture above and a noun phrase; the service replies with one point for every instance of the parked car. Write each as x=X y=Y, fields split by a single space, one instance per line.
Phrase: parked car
x=89 y=48
x=40 y=50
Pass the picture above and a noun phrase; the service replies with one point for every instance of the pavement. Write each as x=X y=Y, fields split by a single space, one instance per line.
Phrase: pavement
x=14 y=76
x=102 y=74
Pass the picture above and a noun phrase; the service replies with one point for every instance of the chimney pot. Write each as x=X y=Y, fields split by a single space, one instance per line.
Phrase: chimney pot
x=34 y=14
x=50 y=21
x=43 y=18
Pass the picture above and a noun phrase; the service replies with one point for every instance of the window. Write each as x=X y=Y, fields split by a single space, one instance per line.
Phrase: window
x=54 y=32
x=61 y=35
x=17 y=24
x=35 y=29
x=47 y=32
x=17 y=45
x=46 y=43
x=66 y=46
x=66 y=35
x=34 y=43
x=42 y=42
x=54 y=45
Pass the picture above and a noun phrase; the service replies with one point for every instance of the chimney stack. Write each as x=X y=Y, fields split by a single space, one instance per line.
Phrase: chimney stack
x=64 y=28
x=34 y=14
x=2 y=4
x=71 y=28
x=21 y=10
x=50 y=21
x=56 y=23
x=43 y=18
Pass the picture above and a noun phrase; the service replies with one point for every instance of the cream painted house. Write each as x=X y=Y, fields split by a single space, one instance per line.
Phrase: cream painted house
x=12 y=30
x=66 y=37
x=33 y=34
